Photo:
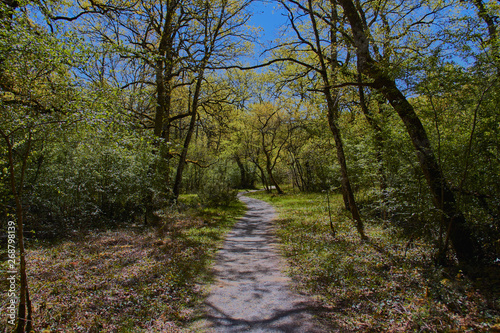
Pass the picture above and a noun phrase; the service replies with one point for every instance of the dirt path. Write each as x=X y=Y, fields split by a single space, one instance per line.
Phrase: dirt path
x=251 y=293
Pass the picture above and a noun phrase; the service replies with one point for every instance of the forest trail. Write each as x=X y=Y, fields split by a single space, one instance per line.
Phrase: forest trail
x=251 y=293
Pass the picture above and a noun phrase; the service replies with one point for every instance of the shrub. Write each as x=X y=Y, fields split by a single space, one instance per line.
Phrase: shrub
x=215 y=194
x=217 y=188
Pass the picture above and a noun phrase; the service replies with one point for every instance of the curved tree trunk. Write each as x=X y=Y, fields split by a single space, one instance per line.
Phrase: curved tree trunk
x=467 y=248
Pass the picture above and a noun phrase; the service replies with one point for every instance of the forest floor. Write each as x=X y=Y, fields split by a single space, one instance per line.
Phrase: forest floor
x=130 y=279
x=137 y=279
x=251 y=292
x=386 y=284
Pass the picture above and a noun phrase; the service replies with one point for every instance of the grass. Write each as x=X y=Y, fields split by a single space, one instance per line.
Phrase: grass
x=126 y=280
x=383 y=285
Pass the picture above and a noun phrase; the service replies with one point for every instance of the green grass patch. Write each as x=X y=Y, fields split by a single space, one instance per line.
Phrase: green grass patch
x=384 y=285
x=143 y=280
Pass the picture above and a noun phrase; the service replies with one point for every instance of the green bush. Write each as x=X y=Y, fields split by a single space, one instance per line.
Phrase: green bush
x=217 y=189
x=84 y=183
x=215 y=194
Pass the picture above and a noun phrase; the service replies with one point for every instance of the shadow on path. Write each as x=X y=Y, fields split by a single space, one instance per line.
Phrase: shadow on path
x=251 y=294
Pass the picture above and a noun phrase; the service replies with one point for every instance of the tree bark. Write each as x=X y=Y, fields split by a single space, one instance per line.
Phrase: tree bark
x=346 y=184
x=164 y=77
x=466 y=246
x=334 y=67
x=164 y=68
x=160 y=98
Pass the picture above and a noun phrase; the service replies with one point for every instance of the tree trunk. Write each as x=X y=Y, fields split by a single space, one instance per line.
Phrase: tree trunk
x=346 y=184
x=24 y=314
x=466 y=246
x=262 y=176
x=160 y=98
x=334 y=67
x=302 y=184
x=243 y=172
x=379 y=139
x=269 y=167
x=492 y=32
x=332 y=106
x=187 y=140
x=273 y=181
x=164 y=76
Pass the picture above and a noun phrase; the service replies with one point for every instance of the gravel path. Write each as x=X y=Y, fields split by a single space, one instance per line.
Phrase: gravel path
x=251 y=293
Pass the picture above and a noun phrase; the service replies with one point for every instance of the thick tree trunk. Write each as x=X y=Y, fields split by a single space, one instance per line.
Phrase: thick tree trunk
x=160 y=98
x=164 y=76
x=466 y=246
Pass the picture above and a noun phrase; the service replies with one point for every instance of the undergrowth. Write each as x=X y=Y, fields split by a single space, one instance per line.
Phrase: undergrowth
x=384 y=285
x=126 y=280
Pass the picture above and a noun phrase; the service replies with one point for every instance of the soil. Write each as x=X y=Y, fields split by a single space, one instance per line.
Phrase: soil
x=251 y=292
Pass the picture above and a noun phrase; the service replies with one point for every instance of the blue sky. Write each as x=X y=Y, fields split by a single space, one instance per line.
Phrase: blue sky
x=269 y=18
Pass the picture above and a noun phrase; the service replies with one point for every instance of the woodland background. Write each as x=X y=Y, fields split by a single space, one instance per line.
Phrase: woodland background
x=111 y=110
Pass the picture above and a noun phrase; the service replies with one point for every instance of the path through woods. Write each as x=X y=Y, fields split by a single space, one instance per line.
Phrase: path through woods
x=251 y=293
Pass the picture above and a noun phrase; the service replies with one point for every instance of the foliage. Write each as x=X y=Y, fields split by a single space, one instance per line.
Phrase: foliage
x=218 y=189
x=91 y=179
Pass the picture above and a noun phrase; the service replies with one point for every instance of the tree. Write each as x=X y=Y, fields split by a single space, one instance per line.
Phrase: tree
x=35 y=86
x=219 y=23
x=172 y=44
x=270 y=125
x=326 y=67
x=488 y=12
x=466 y=247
